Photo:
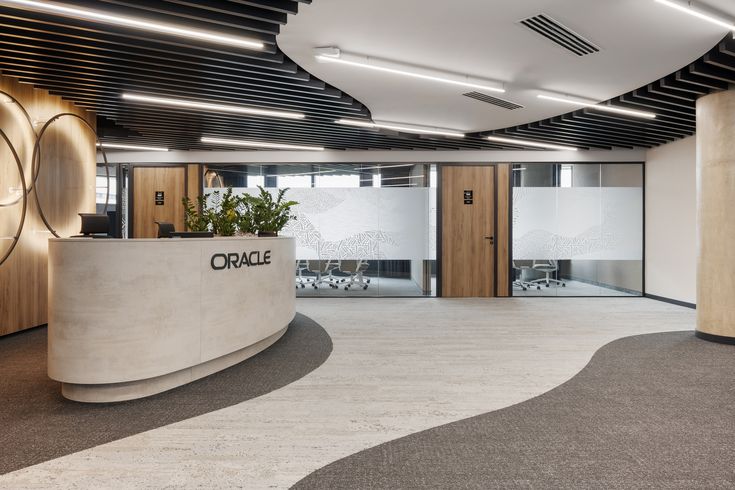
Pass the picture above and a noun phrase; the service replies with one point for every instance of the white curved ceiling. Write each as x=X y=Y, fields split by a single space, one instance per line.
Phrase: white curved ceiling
x=640 y=40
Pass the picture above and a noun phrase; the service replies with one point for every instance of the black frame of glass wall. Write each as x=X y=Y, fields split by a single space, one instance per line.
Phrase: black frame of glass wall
x=384 y=274
x=563 y=268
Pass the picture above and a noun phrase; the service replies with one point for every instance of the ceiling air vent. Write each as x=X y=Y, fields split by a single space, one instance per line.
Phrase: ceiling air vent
x=554 y=31
x=505 y=104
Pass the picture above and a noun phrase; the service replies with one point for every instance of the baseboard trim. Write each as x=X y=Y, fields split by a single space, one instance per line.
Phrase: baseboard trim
x=720 y=339
x=671 y=301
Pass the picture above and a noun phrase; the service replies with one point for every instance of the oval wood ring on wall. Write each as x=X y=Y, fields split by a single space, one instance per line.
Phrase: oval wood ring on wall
x=36 y=163
x=29 y=187
x=24 y=198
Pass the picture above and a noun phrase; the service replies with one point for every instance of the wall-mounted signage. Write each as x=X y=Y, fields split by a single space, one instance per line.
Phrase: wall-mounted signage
x=159 y=198
x=236 y=260
x=468 y=196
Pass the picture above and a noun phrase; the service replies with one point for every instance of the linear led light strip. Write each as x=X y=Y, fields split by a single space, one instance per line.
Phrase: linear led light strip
x=131 y=147
x=335 y=55
x=599 y=107
x=259 y=144
x=688 y=9
x=133 y=22
x=519 y=142
x=207 y=106
x=407 y=129
x=399 y=178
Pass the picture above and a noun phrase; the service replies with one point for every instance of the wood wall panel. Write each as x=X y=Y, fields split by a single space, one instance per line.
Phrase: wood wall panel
x=502 y=233
x=193 y=181
x=66 y=186
x=468 y=258
x=146 y=181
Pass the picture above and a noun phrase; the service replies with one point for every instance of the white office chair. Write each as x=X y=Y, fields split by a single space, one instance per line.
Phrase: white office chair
x=548 y=267
x=322 y=270
x=354 y=268
x=300 y=268
x=518 y=267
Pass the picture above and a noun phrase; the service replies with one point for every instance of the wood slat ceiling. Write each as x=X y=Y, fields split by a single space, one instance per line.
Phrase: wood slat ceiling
x=92 y=64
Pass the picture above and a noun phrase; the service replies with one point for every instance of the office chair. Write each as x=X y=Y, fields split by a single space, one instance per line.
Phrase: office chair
x=165 y=229
x=354 y=268
x=94 y=225
x=547 y=267
x=300 y=268
x=518 y=267
x=322 y=270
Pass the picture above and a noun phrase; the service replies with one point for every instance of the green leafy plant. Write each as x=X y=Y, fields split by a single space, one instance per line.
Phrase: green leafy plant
x=270 y=215
x=226 y=214
x=245 y=221
x=196 y=218
x=223 y=214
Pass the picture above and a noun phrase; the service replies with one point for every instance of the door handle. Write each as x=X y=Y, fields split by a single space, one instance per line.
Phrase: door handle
x=492 y=239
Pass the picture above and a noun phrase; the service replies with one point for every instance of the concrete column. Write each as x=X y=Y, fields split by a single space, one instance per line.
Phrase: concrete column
x=716 y=217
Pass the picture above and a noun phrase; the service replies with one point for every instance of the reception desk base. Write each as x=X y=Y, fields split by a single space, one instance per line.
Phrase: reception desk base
x=118 y=392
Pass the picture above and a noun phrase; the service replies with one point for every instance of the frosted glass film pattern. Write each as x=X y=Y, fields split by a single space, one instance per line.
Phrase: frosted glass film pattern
x=362 y=223
x=581 y=223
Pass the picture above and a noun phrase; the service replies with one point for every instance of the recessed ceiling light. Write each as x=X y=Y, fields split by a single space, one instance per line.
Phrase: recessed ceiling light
x=207 y=106
x=600 y=107
x=335 y=55
x=395 y=127
x=519 y=142
x=118 y=146
x=259 y=144
x=133 y=22
x=687 y=8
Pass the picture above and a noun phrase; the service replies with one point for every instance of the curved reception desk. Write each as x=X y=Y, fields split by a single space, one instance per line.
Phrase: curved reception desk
x=131 y=318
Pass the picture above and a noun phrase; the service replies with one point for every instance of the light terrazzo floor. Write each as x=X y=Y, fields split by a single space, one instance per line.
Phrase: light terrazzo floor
x=398 y=366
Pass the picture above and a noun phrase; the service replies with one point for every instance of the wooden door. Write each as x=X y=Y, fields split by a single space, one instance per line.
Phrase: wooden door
x=468 y=231
x=149 y=205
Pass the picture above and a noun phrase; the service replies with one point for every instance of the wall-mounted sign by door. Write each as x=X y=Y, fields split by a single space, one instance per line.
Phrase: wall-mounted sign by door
x=468 y=196
x=159 y=198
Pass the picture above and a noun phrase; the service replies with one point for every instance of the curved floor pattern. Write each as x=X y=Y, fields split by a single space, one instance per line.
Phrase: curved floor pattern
x=38 y=424
x=650 y=411
x=399 y=366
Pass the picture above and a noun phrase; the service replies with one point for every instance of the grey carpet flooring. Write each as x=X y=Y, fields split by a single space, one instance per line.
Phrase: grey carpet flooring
x=38 y=424
x=651 y=411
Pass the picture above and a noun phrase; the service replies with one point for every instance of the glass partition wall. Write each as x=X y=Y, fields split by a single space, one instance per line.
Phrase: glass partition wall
x=361 y=230
x=577 y=229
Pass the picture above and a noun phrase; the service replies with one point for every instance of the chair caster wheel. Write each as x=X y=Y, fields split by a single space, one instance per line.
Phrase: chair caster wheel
x=547 y=285
x=538 y=288
x=302 y=286
x=563 y=285
x=314 y=286
x=364 y=287
x=367 y=281
x=347 y=288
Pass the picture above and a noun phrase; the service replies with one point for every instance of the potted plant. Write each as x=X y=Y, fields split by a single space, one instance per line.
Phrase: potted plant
x=270 y=215
x=245 y=221
x=221 y=214
x=195 y=218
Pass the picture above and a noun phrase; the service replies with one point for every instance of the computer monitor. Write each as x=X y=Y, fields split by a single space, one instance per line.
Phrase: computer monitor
x=94 y=224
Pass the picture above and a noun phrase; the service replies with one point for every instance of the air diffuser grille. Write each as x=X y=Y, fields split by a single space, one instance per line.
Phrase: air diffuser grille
x=505 y=104
x=554 y=31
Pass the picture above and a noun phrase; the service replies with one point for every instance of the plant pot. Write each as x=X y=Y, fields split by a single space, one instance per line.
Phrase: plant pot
x=267 y=233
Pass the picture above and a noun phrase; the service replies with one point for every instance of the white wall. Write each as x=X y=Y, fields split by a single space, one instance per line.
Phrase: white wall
x=671 y=211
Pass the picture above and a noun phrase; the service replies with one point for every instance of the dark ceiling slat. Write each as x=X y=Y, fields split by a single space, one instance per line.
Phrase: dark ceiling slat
x=64 y=86
x=188 y=84
x=211 y=11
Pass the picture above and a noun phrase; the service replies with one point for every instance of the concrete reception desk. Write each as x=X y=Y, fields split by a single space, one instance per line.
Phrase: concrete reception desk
x=130 y=318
